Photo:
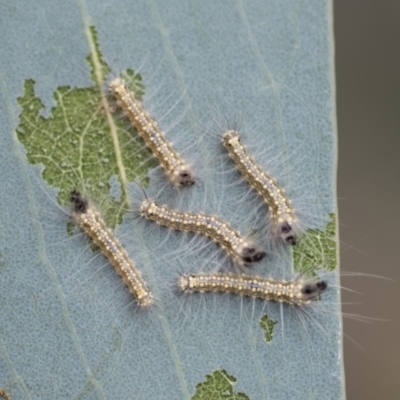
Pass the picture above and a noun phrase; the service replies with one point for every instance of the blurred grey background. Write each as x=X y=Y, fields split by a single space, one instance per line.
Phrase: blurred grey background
x=367 y=35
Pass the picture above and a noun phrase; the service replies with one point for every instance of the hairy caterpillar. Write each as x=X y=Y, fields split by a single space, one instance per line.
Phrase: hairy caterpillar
x=281 y=212
x=177 y=169
x=297 y=292
x=89 y=219
x=242 y=250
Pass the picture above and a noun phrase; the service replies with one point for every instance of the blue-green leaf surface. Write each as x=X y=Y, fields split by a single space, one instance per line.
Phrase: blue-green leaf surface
x=69 y=328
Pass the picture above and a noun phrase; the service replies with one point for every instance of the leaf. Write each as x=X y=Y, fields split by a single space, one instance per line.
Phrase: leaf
x=218 y=386
x=70 y=328
x=81 y=132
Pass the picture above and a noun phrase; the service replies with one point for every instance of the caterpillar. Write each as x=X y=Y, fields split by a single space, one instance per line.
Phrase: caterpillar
x=297 y=292
x=243 y=250
x=281 y=212
x=90 y=221
x=178 y=170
